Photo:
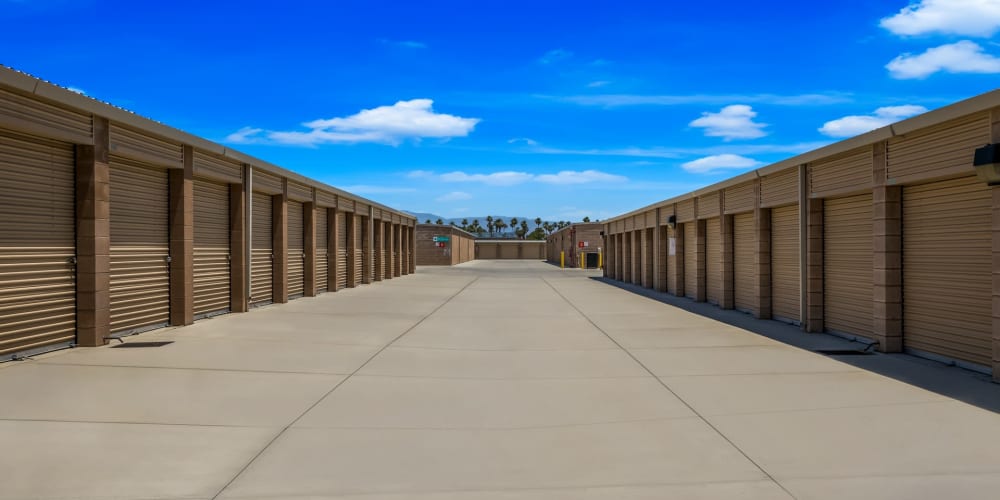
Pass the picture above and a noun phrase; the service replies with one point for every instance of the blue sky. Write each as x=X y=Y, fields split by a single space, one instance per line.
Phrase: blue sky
x=551 y=109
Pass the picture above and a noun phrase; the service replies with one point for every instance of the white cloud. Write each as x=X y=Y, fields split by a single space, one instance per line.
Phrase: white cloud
x=454 y=196
x=959 y=57
x=732 y=122
x=408 y=44
x=949 y=17
x=680 y=152
x=245 y=135
x=849 y=126
x=414 y=119
x=598 y=83
x=78 y=91
x=512 y=178
x=506 y=178
x=369 y=189
x=616 y=100
x=522 y=140
x=579 y=177
x=555 y=56
x=710 y=164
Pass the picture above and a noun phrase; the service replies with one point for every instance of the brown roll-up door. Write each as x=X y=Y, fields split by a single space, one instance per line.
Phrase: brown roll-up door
x=690 y=259
x=510 y=252
x=847 y=264
x=211 y=248
x=713 y=259
x=262 y=258
x=947 y=255
x=342 y=250
x=322 y=250
x=647 y=260
x=487 y=251
x=37 y=245
x=359 y=255
x=785 y=263
x=379 y=242
x=140 y=247
x=671 y=269
x=743 y=257
x=296 y=250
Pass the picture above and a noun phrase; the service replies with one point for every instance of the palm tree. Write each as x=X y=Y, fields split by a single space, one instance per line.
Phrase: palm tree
x=586 y=219
x=439 y=222
x=513 y=222
x=524 y=229
x=538 y=222
x=489 y=224
x=428 y=221
x=500 y=225
x=465 y=224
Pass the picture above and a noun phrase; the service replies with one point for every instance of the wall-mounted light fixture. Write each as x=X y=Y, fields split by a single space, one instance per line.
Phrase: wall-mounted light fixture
x=602 y=234
x=987 y=164
x=672 y=222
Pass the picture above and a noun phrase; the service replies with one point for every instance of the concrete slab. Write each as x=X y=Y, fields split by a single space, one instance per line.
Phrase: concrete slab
x=429 y=403
x=273 y=324
x=666 y=338
x=302 y=461
x=739 y=360
x=235 y=354
x=450 y=363
x=506 y=333
x=60 y=460
x=736 y=394
x=160 y=396
x=941 y=438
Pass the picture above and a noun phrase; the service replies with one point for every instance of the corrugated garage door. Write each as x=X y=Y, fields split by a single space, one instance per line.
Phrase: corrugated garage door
x=647 y=260
x=296 y=250
x=743 y=257
x=785 y=263
x=947 y=255
x=341 y=250
x=262 y=259
x=359 y=255
x=488 y=251
x=510 y=252
x=713 y=259
x=671 y=270
x=847 y=264
x=211 y=248
x=690 y=258
x=322 y=250
x=140 y=247
x=379 y=242
x=37 y=245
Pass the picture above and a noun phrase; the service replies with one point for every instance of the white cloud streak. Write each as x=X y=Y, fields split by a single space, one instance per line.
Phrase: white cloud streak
x=849 y=126
x=979 y=18
x=413 y=120
x=960 y=57
x=369 y=189
x=618 y=100
x=555 y=55
x=732 y=122
x=674 y=153
x=454 y=196
x=513 y=178
x=715 y=163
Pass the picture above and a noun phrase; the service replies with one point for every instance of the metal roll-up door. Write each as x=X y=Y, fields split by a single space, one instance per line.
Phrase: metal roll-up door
x=262 y=255
x=847 y=265
x=947 y=255
x=37 y=246
x=359 y=255
x=785 y=263
x=322 y=250
x=379 y=242
x=140 y=247
x=690 y=259
x=743 y=257
x=509 y=251
x=341 y=250
x=211 y=248
x=296 y=250
x=671 y=269
x=648 y=261
x=713 y=259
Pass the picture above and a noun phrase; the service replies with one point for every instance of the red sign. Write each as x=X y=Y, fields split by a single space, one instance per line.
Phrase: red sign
x=581 y=244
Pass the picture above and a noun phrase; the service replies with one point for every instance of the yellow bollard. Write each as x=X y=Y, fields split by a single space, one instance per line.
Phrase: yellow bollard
x=562 y=260
x=582 y=257
x=600 y=260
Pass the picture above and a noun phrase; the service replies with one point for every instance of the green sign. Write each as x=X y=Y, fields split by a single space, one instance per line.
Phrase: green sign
x=440 y=239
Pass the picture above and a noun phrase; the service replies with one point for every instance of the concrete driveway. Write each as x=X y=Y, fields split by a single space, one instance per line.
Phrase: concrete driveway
x=493 y=380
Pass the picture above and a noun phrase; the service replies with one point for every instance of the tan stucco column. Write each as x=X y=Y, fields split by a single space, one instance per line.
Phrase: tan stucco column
x=93 y=239
x=181 y=217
